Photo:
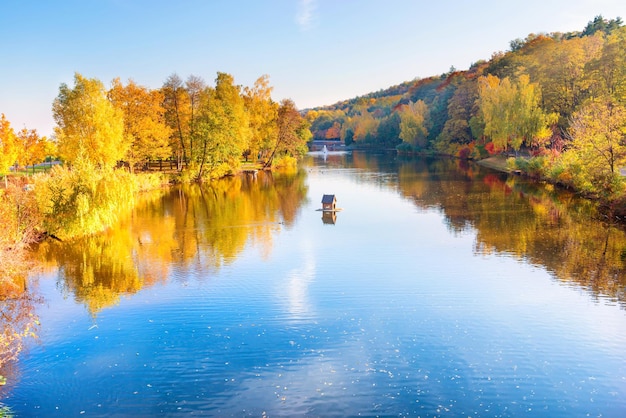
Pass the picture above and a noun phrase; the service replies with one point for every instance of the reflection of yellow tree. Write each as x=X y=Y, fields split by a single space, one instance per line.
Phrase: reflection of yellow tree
x=97 y=269
x=206 y=226
x=531 y=221
x=17 y=322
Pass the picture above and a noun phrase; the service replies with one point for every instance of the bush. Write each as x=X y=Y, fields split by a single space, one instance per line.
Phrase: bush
x=285 y=162
x=83 y=200
x=404 y=148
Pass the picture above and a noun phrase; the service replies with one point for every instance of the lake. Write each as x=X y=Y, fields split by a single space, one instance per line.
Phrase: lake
x=440 y=289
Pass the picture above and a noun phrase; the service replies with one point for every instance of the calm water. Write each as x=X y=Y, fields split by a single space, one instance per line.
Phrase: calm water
x=440 y=289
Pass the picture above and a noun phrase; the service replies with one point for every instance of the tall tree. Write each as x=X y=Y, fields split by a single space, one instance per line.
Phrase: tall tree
x=8 y=146
x=263 y=114
x=88 y=125
x=32 y=147
x=598 y=149
x=222 y=127
x=413 y=124
x=144 y=122
x=293 y=132
x=608 y=70
x=511 y=112
x=461 y=108
x=194 y=86
x=177 y=116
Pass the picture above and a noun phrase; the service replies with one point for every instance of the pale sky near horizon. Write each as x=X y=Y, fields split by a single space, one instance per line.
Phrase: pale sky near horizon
x=316 y=52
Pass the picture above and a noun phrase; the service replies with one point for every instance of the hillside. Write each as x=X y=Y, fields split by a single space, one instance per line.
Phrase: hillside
x=371 y=120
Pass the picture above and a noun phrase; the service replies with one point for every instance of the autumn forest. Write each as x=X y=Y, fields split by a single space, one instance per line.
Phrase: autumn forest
x=554 y=104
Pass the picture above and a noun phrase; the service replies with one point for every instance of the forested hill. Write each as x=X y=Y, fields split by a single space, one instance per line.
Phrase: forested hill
x=542 y=82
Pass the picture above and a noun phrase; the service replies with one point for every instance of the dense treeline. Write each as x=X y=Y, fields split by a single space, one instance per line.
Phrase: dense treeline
x=557 y=101
x=203 y=130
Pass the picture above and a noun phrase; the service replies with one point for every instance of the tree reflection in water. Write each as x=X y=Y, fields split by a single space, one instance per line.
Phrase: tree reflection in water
x=189 y=225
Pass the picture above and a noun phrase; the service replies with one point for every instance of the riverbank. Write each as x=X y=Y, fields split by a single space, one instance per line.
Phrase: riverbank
x=497 y=162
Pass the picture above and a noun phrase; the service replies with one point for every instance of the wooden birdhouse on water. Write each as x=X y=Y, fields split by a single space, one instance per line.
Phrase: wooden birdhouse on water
x=329 y=202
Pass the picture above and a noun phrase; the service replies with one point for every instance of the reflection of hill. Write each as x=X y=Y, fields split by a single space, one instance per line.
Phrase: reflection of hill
x=185 y=225
x=533 y=221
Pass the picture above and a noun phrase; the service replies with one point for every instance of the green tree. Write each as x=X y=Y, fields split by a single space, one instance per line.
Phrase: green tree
x=88 y=124
x=177 y=116
x=194 y=86
x=222 y=128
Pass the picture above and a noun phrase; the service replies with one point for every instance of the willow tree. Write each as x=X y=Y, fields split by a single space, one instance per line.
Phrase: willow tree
x=88 y=125
x=511 y=113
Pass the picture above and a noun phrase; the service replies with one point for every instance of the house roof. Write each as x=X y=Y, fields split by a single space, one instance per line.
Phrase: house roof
x=328 y=198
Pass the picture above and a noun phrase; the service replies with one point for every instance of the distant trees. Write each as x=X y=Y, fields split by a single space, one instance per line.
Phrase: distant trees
x=32 y=148
x=545 y=95
x=25 y=148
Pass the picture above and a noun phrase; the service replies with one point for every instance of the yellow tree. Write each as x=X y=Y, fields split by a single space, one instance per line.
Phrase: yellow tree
x=608 y=70
x=413 y=124
x=530 y=122
x=561 y=72
x=293 y=132
x=362 y=125
x=32 y=148
x=495 y=101
x=8 y=146
x=144 y=122
x=511 y=112
x=598 y=149
x=88 y=125
x=263 y=113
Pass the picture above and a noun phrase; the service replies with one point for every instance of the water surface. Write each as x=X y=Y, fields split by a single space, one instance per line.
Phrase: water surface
x=440 y=289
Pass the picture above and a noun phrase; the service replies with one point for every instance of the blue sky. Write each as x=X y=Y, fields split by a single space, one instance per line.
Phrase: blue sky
x=316 y=52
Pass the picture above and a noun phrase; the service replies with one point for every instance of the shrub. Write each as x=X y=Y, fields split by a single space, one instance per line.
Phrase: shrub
x=404 y=148
x=83 y=200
